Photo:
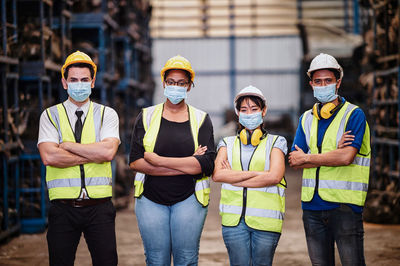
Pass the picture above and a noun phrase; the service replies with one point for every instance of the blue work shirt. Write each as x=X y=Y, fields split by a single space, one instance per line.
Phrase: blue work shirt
x=356 y=124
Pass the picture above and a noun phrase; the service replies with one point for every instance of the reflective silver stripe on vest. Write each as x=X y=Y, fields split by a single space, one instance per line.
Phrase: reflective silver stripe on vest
x=362 y=161
x=97 y=120
x=346 y=185
x=251 y=212
x=139 y=176
x=342 y=124
x=54 y=115
x=272 y=189
x=230 y=187
x=76 y=182
x=270 y=139
x=230 y=141
x=150 y=110
x=265 y=213
x=98 y=181
x=200 y=115
x=308 y=118
x=203 y=184
x=307 y=182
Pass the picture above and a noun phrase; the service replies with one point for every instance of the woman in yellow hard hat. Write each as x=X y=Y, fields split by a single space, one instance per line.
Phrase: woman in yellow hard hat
x=251 y=166
x=172 y=150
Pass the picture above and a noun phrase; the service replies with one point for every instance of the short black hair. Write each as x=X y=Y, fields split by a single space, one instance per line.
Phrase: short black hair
x=257 y=100
x=335 y=72
x=80 y=65
x=187 y=73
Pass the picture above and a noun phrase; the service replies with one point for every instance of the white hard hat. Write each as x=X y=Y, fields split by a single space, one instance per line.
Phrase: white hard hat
x=323 y=61
x=249 y=91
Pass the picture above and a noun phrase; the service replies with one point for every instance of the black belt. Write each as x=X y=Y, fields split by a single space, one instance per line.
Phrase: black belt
x=82 y=202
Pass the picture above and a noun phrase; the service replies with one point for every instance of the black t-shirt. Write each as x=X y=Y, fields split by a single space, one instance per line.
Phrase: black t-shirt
x=174 y=140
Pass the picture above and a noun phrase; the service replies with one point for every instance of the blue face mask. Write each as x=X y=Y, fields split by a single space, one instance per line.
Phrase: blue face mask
x=79 y=91
x=250 y=121
x=326 y=93
x=175 y=94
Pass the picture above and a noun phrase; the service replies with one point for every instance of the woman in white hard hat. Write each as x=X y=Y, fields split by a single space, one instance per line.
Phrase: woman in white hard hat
x=251 y=167
x=172 y=150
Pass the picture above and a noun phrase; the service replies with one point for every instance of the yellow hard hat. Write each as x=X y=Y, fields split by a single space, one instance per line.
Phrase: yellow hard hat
x=78 y=57
x=178 y=62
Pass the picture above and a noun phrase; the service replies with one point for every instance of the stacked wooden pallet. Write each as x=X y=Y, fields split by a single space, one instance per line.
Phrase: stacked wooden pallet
x=380 y=78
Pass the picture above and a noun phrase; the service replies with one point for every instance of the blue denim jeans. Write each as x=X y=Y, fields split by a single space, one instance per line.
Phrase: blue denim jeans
x=247 y=246
x=341 y=225
x=170 y=230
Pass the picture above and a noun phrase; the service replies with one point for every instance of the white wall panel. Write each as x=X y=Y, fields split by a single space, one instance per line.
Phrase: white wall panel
x=281 y=91
x=203 y=54
x=268 y=53
x=271 y=64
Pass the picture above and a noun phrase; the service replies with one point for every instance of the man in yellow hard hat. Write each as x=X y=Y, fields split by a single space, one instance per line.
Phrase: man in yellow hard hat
x=77 y=141
x=332 y=146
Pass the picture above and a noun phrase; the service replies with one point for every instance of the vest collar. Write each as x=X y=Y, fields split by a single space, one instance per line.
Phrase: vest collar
x=71 y=107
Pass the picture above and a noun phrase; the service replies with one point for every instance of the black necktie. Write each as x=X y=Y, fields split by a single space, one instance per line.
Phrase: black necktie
x=78 y=126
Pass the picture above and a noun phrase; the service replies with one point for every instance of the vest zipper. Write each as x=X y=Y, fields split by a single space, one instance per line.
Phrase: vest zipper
x=81 y=168
x=245 y=188
x=244 y=203
x=317 y=174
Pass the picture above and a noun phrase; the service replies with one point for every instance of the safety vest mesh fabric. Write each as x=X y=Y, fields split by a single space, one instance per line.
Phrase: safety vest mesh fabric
x=151 y=122
x=265 y=206
x=341 y=184
x=66 y=183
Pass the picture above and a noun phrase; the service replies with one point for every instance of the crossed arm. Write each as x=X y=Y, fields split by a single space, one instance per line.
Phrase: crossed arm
x=224 y=173
x=343 y=155
x=69 y=154
x=154 y=164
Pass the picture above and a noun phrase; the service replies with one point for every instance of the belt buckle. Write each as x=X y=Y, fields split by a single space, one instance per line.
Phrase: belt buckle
x=77 y=202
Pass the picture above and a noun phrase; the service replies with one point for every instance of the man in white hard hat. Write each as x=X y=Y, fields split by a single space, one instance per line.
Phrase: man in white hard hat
x=332 y=146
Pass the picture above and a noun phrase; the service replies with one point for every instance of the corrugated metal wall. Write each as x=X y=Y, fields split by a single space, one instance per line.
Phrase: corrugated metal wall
x=270 y=63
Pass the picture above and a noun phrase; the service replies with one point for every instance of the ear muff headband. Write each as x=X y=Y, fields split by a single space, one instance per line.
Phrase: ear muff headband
x=254 y=138
x=326 y=111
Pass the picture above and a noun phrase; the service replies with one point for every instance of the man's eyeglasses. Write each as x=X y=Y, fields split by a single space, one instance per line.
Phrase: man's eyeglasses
x=180 y=83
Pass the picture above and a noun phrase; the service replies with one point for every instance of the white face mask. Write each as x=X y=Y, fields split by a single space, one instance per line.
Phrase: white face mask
x=251 y=121
x=326 y=93
x=175 y=94
x=79 y=91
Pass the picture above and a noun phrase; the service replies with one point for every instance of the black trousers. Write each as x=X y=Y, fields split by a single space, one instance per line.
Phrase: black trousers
x=66 y=225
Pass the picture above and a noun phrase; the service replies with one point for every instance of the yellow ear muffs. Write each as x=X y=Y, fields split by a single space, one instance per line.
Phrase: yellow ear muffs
x=326 y=111
x=254 y=138
x=244 y=136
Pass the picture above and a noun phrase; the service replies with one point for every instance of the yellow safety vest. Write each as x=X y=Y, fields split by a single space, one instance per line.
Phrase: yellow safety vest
x=263 y=208
x=341 y=184
x=151 y=122
x=66 y=183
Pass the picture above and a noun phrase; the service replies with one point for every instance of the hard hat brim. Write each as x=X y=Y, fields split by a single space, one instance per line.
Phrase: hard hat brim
x=165 y=69
x=64 y=67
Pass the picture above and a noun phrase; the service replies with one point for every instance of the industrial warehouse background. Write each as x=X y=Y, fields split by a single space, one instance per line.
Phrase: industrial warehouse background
x=230 y=44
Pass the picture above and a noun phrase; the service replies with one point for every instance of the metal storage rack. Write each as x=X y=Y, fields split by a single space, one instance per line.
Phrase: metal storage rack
x=385 y=129
x=43 y=46
x=47 y=32
x=381 y=79
x=98 y=29
x=10 y=142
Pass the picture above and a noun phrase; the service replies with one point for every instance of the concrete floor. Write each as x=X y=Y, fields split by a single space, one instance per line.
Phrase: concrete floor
x=382 y=245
